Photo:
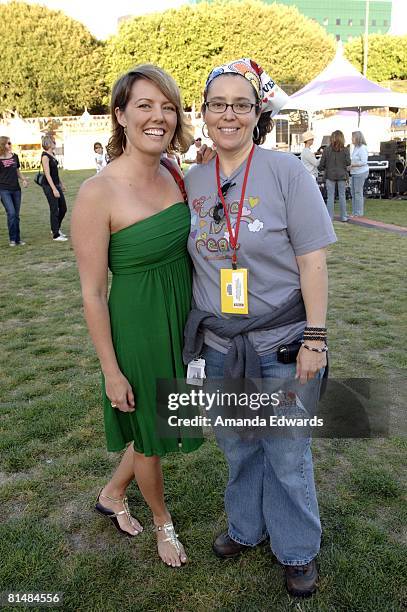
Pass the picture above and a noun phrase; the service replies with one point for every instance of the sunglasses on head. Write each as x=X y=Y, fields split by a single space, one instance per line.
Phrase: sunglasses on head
x=218 y=211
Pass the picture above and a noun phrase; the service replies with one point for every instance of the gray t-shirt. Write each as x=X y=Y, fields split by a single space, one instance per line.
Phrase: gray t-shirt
x=283 y=216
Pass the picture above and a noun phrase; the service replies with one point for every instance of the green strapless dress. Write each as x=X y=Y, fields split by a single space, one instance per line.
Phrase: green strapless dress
x=149 y=301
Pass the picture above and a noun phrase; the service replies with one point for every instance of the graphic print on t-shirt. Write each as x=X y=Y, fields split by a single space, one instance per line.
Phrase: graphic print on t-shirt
x=8 y=163
x=211 y=238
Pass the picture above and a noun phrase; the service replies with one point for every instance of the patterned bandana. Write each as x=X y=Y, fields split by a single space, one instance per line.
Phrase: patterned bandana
x=272 y=97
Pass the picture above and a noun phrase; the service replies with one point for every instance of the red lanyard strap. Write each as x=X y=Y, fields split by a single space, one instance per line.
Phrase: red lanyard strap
x=176 y=175
x=234 y=237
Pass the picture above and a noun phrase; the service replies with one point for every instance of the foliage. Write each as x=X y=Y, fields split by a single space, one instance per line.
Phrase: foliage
x=188 y=42
x=50 y=63
x=387 y=57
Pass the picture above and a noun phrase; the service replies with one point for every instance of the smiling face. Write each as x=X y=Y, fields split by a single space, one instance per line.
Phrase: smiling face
x=228 y=130
x=149 y=117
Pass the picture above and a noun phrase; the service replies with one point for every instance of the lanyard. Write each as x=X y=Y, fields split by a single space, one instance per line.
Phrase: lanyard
x=233 y=237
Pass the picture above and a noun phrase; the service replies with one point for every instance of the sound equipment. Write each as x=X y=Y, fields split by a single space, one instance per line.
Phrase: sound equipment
x=378 y=164
x=395 y=152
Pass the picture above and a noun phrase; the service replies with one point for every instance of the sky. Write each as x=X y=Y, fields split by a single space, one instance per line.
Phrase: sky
x=101 y=17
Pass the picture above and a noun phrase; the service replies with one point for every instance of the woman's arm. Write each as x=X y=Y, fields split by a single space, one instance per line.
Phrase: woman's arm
x=90 y=228
x=45 y=165
x=322 y=161
x=314 y=288
x=361 y=156
x=22 y=179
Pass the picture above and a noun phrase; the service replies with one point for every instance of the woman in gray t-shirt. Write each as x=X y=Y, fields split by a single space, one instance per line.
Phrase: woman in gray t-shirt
x=275 y=207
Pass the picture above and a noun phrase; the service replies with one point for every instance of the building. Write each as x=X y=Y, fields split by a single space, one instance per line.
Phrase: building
x=344 y=19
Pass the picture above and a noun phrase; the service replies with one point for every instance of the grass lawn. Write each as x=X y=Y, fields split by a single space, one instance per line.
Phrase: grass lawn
x=388 y=211
x=53 y=459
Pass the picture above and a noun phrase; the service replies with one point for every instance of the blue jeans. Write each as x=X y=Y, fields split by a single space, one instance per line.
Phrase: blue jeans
x=330 y=189
x=271 y=486
x=11 y=201
x=356 y=186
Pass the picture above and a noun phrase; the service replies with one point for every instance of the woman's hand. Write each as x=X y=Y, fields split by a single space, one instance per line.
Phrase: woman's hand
x=56 y=193
x=25 y=182
x=205 y=154
x=120 y=393
x=309 y=362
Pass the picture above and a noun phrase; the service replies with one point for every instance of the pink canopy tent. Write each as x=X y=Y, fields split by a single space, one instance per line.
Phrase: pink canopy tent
x=341 y=85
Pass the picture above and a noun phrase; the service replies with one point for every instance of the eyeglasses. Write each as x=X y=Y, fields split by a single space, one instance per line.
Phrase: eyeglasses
x=218 y=211
x=240 y=108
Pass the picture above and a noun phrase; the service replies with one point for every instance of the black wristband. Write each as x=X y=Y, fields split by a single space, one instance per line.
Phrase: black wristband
x=315 y=350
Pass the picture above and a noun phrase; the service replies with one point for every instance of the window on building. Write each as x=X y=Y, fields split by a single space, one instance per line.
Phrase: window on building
x=338 y=22
x=325 y=21
x=373 y=22
x=386 y=23
x=338 y=37
x=362 y=22
x=350 y=22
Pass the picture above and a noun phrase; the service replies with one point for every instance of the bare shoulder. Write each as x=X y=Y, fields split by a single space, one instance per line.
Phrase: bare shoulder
x=95 y=189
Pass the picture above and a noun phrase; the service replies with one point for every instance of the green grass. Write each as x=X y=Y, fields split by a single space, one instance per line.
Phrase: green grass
x=53 y=458
x=388 y=211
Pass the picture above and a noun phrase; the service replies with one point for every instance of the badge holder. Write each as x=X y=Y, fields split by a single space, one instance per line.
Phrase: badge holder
x=196 y=372
x=233 y=283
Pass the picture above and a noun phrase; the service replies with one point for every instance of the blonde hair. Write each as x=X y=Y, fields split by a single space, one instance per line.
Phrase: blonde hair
x=3 y=141
x=183 y=135
x=337 y=140
x=47 y=141
x=358 y=138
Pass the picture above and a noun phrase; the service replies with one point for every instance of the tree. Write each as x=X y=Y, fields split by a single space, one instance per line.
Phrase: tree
x=188 y=42
x=50 y=63
x=387 y=57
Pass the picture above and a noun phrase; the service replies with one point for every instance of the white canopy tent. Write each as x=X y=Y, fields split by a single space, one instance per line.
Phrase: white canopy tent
x=341 y=85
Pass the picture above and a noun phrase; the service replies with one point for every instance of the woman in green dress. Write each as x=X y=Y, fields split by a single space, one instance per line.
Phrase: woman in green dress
x=132 y=218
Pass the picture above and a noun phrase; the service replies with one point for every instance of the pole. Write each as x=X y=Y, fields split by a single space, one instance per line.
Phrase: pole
x=366 y=43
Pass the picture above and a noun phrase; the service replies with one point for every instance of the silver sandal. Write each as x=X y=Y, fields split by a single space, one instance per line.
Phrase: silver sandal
x=172 y=537
x=110 y=514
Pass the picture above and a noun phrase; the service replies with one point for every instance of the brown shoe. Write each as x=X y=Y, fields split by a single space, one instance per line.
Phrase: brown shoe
x=226 y=548
x=301 y=580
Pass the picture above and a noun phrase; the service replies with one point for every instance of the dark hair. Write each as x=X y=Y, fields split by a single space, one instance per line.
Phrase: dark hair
x=337 y=140
x=97 y=144
x=265 y=123
x=121 y=93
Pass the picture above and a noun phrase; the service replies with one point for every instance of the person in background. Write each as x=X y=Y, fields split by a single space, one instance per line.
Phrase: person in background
x=100 y=159
x=359 y=171
x=190 y=156
x=335 y=162
x=307 y=156
x=10 y=190
x=53 y=188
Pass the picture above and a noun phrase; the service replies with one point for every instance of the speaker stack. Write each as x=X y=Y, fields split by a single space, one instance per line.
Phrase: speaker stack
x=395 y=152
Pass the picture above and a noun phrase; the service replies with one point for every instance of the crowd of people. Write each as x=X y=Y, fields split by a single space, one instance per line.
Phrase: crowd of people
x=334 y=164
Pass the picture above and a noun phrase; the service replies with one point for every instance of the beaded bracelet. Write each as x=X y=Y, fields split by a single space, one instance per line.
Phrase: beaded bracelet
x=315 y=350
x=321 y=338
x=317 y=329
